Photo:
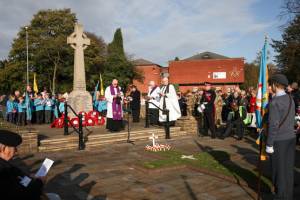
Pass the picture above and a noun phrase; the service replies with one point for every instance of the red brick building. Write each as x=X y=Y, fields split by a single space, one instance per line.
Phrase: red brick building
x=221 y=71
x=150 y=71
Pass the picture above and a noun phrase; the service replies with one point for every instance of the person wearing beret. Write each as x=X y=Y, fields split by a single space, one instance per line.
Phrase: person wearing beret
x=281 y=140
x=12 y=179
x=208 y=103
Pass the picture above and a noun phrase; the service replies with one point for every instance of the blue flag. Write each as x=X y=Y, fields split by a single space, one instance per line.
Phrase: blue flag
x=262 y=97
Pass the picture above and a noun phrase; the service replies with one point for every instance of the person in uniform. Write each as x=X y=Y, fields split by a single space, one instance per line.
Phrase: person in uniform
x=12 y=184
x=281 y=139
x=207 y=103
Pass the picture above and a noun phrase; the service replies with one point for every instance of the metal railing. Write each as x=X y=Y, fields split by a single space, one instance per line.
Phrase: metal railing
x=81 y=145
x=166 y=124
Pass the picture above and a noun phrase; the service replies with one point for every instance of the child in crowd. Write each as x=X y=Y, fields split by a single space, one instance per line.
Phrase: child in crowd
x=21 y=112
x=39 y=109
x=48 y=108
x=10 y=109
x=101 y=106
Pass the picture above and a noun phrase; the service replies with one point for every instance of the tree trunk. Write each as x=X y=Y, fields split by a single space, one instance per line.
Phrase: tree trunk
x=54 y=78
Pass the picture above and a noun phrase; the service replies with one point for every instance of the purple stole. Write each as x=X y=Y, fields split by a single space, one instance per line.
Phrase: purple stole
x=116 y=105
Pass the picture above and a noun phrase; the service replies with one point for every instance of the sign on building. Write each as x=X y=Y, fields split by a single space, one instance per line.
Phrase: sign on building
x=219 y=75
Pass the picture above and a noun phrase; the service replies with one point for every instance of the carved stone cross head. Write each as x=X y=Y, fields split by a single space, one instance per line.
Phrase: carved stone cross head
x=78 y=38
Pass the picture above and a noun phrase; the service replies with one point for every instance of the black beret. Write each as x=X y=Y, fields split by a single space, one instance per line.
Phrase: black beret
x=9 y=138
x=279 y=78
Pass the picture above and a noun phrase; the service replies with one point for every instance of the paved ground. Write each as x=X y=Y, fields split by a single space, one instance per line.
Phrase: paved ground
x=109 y=172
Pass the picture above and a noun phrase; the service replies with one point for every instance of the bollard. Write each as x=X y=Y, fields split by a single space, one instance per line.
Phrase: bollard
x=167 y=125
x=81 y=144
x=66 y=123
x=146 y=114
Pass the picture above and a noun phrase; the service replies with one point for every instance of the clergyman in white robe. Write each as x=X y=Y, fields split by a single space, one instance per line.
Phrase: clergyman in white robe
x=114 y=121
x=170 y=102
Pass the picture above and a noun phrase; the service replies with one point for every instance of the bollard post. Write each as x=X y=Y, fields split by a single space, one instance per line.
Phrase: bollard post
x=81 y=144
x=146 y=114
x=167 y=125
x=66 y=123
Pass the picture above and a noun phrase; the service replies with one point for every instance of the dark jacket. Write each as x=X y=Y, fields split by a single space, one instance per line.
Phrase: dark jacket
x=10 y=187
x=208 y=98
x=278 y=109
x=135 y=104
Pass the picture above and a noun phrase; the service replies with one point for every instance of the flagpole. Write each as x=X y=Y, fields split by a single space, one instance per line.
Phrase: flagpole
x=27 y=65
x=261 y=129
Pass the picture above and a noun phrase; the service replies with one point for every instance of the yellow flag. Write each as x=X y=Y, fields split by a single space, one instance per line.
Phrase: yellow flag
x=35 y=86
x=101 y=86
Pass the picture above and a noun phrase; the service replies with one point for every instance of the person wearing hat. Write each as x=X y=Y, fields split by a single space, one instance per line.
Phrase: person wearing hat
x=207 y=101
x=281 y=139
x=12 y=179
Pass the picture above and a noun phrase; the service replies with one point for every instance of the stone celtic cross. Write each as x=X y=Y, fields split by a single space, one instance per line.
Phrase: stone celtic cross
x=79 y=41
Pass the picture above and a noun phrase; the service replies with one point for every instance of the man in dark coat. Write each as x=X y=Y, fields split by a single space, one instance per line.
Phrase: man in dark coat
x=281 y=139
x=135 y=103
x=208 y=103
x=12 y=179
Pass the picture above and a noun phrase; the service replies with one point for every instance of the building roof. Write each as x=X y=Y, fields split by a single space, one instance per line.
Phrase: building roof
x=207 y=55
x=143 y=62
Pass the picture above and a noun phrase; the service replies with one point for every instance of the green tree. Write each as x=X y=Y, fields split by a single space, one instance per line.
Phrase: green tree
x=251 y=75
x=118 y=65
x=49 y=54
x=288 y=49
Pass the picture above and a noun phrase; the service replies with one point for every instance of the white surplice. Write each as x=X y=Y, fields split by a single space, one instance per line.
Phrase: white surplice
x=172 y=104
x=155 y=97
x=109 y=99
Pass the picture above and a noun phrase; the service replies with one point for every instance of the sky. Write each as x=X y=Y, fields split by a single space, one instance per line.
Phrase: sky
x=160 y=30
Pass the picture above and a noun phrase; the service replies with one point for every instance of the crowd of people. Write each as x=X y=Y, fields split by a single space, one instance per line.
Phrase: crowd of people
x=234 y=108
x=212 y=107
x=44 y=107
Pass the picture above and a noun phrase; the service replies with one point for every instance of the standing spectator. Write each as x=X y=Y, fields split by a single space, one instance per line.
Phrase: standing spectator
x=48 y=102
x=293 y=89
x=135 y=104
x=281 y=139
x=39 y=109
x=10 y=109
x=218 y=105
x=21 y=111
x=208 y=101
x=182 y=104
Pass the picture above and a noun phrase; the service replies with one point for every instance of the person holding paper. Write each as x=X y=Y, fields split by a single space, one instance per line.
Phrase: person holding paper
x=14 y=183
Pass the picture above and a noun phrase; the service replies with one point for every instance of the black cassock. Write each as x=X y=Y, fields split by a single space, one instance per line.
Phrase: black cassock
x=135 y=105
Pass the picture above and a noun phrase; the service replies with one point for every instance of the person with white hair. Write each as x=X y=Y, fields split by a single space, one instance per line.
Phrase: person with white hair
x=114 y=97
x=153 y=97
x=169 y=101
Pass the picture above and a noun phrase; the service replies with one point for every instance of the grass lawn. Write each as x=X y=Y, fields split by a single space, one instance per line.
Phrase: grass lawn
x=213 y=161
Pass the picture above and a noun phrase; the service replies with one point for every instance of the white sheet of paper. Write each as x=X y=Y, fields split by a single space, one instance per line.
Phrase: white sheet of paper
x=44 y=168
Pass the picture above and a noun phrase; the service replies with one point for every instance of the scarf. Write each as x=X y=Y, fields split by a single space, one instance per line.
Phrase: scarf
x=116 y=104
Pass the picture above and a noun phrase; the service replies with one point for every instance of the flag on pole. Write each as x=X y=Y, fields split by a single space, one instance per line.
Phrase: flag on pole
x=95 y=92
x=101 y=86
x=262 y=98
x=28 y=107
x=35 y=86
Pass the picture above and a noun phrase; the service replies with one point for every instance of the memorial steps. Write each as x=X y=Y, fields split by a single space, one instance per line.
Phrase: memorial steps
x=95 y=139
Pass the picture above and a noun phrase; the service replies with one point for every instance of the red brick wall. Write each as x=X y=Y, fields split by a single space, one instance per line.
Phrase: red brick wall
x=200 y=71
x=151 y=73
